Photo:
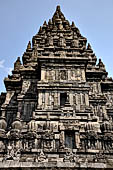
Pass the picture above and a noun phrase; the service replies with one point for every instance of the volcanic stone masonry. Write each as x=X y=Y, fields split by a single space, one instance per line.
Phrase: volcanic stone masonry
x=58 y=109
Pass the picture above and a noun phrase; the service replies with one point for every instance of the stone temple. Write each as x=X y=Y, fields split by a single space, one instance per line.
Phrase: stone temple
x=58 y=109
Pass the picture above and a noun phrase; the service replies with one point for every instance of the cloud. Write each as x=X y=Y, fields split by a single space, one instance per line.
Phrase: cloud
x=9 y=70
x=2 y=63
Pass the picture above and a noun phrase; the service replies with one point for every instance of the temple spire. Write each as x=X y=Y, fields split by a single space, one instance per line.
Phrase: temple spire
x=58 y=8
x=29 y=45
x=17 y=64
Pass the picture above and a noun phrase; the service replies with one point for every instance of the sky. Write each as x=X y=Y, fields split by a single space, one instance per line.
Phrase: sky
x=20 y=21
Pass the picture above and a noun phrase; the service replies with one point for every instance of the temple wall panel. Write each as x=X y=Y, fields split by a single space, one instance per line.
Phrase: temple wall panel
x=63 y=74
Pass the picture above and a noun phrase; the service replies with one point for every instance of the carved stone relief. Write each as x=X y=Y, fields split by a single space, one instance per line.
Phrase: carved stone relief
x=25 y=86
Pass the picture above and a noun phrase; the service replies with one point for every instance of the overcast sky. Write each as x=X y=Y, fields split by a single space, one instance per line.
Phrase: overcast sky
x=21 y=19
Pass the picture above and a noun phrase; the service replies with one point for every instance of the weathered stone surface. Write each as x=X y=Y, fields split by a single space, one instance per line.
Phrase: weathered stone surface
x=58 y=109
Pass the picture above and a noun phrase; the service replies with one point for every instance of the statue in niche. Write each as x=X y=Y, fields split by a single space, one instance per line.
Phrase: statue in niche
x=95 y=89
x=72 y=75
x=26 y=146
x=50 y=75
x=2 y=146
x=48 y=124
x=91 y=89
x=50 y=41
x=53 y=75
x=75 y=43
x=82 y=145
x=25 y=86
x=74 y=99
x=60 y=26
x=34 y=54
x=50 y=102
x=62 y=146
x=78 y=75
x=55 y=127
x=83 y=142
x=63 y=75
x=48 y=146
x=62 y=41
x=110 y=100
x=30 y=144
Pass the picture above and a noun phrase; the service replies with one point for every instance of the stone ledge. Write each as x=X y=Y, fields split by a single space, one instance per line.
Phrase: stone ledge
x=64 y=165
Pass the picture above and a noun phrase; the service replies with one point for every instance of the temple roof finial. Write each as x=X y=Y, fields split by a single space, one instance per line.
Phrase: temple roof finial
x=17 y=64
x=40 y=30
x=58 y=8
x=73 y=24
x=44 y=24
x=29 y=45
x=50 y=22
x=101 y=64
x=89 y=47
